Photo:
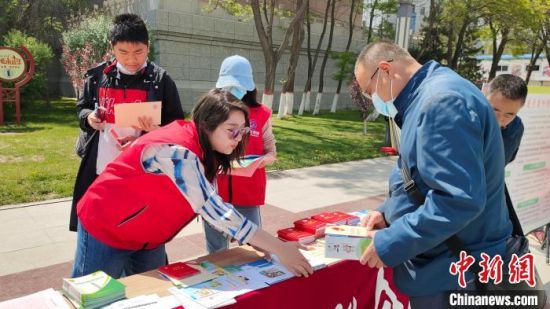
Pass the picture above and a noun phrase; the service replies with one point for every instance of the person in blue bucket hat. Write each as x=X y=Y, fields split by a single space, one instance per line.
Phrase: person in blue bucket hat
x=246 y=193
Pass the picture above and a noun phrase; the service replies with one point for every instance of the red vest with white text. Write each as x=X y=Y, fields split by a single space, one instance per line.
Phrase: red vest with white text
x=128 y=208
x=248 y=191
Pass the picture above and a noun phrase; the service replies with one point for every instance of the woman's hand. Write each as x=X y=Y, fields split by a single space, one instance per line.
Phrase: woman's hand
x=287 y=252
x=290 y=257
x=268 y=159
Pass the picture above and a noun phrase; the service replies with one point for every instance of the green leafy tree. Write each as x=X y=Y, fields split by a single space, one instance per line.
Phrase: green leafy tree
x=44 y=19
x=508 y=21
x=467 y=64
x=92 y=29
x=382 y=9
x=430 y=46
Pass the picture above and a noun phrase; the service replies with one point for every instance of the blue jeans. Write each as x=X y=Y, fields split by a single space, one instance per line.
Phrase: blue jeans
x=217 y=241
x=93 y=255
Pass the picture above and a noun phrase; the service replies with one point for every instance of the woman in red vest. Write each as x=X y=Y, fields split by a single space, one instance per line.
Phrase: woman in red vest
x=160 y=183
x=246 y=193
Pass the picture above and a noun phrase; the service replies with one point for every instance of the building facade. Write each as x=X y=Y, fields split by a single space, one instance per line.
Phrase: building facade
x=517 y=65
x=191 y=43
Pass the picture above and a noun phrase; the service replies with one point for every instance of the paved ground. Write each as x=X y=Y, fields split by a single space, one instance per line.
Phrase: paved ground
x=36 y=248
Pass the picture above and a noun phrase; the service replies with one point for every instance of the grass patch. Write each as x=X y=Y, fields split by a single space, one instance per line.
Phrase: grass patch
x=539 y=90
x=37 y=159
x=326 y=138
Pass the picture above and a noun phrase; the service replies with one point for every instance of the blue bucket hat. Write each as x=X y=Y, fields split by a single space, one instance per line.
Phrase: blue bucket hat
x=236 y=71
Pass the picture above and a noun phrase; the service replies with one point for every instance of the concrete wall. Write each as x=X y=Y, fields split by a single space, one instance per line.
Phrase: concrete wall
x=191 y=44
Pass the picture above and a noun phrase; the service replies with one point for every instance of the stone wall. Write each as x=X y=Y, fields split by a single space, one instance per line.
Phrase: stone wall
x=191 y=44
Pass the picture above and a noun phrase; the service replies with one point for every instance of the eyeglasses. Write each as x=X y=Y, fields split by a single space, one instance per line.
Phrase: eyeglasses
x=365 y=93
x=236 y=132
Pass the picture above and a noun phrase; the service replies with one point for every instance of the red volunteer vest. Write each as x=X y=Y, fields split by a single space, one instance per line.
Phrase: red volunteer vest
x=248 y=191
x=127 y=208
x=110 y=96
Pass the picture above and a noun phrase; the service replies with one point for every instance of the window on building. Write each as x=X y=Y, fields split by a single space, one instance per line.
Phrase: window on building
x=423 y=11
x=502 y=68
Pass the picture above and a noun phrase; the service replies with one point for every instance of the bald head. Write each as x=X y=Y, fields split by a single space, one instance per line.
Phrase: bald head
x=384 y=68
x=382 y=51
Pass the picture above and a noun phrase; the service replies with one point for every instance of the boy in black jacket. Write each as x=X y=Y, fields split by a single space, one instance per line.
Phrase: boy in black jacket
x=131 y=77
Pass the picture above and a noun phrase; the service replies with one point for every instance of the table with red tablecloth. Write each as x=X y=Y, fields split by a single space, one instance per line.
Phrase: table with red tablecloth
x=346 y=284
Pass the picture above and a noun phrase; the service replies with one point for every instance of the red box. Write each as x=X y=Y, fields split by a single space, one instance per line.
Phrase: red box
x=292 y=234
x=311 y=226
x=331 y=218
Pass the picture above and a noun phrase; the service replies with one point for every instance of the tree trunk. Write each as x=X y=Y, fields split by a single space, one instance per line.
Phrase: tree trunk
x=450 y=38
x=535 y=54
x=497 y=50
x=459 y=43
x=348 y=45
x=431 y=29
x=265 y=35
x=282 y=104
x=371 y=17
x=324 y=63
x=307 y=86
x=288 y=86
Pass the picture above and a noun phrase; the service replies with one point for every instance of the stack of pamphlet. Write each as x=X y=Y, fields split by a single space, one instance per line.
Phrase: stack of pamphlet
x=94 y=290
x=292 y=234
x=230 y=282
x=315 y=255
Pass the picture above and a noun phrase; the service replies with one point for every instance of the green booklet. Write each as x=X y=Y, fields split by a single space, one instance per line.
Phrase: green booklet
x=94 y=290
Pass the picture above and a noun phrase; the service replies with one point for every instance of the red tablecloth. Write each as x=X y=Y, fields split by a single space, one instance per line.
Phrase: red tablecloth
x=347 y=284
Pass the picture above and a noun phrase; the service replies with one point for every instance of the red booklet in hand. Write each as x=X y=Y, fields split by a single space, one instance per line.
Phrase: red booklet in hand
x=178 y=270
x=292 y=234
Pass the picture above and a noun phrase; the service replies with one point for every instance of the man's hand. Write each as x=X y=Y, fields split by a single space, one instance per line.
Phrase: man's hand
x=370 y=256
x=95 y=122
x=374 y=220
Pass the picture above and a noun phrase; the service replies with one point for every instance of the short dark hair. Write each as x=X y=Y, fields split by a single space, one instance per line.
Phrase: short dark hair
x=510 y=86
x=129 y=28
x=251 y=98
x=213 y=109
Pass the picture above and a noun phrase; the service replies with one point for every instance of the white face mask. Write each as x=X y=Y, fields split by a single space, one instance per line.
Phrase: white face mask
x=385 y=108
x=124 y=70
x=238 y=92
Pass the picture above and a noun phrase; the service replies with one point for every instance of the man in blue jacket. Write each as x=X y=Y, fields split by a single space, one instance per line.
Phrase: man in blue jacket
x=451 y=146
x=507 y=94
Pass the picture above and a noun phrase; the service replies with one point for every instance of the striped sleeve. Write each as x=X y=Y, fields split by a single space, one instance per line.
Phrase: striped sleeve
x=186 y=171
